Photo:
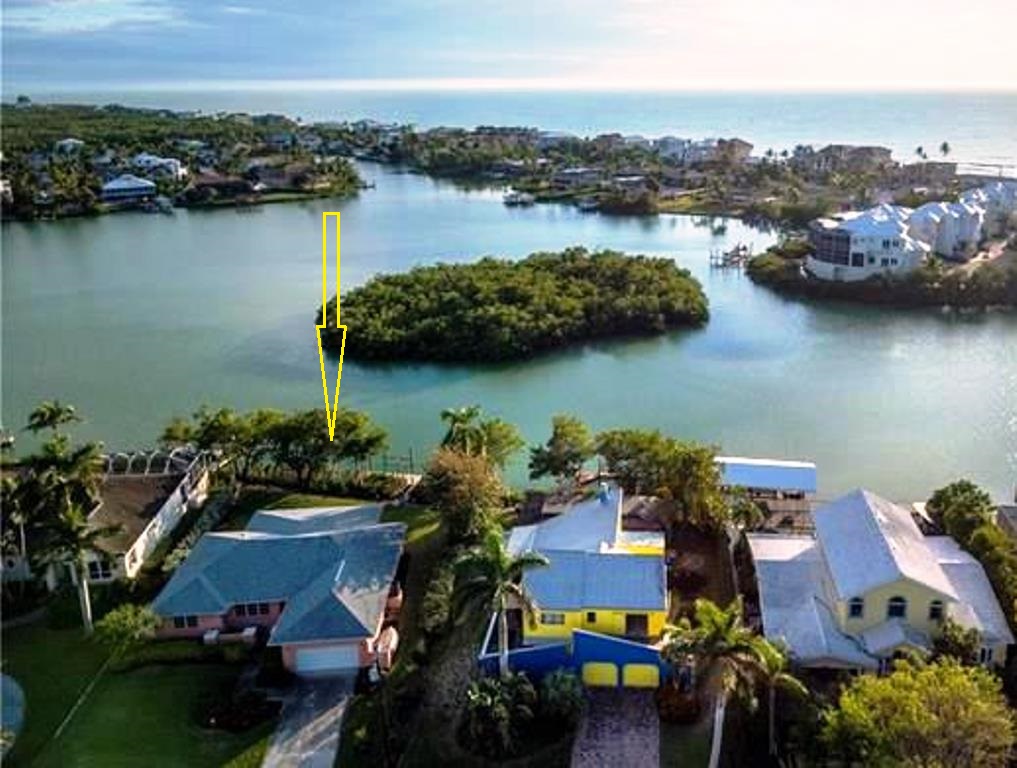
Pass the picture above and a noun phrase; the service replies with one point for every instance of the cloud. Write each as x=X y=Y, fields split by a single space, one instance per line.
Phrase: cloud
x=243 y=10
x=61 y=17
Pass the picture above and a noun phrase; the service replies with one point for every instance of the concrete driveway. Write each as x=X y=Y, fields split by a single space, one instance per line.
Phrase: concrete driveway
x=308 y=732
x=620 y=728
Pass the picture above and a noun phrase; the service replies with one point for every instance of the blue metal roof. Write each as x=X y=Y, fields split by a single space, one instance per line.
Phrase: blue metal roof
x=768 y=474
x=589 y=580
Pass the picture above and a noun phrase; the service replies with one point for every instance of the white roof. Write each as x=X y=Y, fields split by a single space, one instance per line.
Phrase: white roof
x=790 y=574
x=590 y=525
x=127 y=181
x=869 y=541
x=979 y=608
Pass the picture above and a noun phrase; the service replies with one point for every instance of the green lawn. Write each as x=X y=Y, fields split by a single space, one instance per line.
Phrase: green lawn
x=148 y=717
x=142 y=717
x=53 y=667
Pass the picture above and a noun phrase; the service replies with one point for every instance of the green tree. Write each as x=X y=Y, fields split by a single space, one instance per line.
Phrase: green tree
x=773 y=674
x=729 y=658
x=570 y=446
x=934 y=715
x=488 y=576
x=470 y=434
x=496 y=714
x=957 y=642
x=465 y=489
x=685 y=473
x=51 y=414
x=126 y=627
x=300 y=441
x=960 y=508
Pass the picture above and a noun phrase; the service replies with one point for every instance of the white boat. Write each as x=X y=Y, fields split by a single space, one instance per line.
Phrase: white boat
x=518 y=198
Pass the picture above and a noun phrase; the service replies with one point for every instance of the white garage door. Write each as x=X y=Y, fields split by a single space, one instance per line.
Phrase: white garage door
x=333 y=658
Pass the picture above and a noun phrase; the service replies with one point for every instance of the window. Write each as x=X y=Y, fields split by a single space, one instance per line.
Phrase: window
x=984 y=655
x=884 y=262
x=192 y=621
x=856 y=608
x=178 y=622
x=591 y=617
x=99 y=570
x=240 y=610
x=252 y=609
x=893 y=262
x=263 y=608
x=886 y=245
x=936 y=610
x=857 y=259
x=896 y=243
x=552 y=618
x=872 y=259
x=896 y=608
x=185 y=621
x=636 y=625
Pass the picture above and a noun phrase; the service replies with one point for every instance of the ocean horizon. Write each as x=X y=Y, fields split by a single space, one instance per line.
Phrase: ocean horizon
x=978 y=125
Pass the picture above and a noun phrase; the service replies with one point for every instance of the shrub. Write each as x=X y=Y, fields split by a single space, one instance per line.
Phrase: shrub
x=126 y=627
x=240 y=713
x=562 y=698
x=497 y=711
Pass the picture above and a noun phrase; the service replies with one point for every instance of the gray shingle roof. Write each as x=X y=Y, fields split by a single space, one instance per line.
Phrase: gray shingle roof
x=581 y=580
x=334 y=584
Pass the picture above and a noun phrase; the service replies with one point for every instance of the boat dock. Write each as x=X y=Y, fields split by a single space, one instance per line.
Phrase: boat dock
x=736 y=257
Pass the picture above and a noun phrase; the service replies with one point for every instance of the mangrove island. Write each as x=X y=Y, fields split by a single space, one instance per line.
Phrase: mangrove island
x=495 y=309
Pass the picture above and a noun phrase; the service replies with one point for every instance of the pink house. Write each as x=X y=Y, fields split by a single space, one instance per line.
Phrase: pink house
x=322 y=581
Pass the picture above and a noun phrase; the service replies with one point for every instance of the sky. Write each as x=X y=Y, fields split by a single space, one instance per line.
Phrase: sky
x=549 y=44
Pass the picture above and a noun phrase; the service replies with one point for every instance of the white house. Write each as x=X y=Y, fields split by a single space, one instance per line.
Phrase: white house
x=869 y=585
x=952 y=230
x=68 y=146
x=127 y=188
x=999 y=200
x=857 y=245
x=166 y=166
x=672 y=148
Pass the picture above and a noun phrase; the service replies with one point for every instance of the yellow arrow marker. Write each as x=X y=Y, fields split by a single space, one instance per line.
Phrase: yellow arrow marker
x=330 y=411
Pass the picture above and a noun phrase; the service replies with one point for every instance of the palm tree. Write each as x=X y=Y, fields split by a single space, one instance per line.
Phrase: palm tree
x=944 y=148
x=920 y=152
x=726 y=654
x=70 y=537
x=773 y=674
x=465 y=433
x=51 y=414
x=487 y=576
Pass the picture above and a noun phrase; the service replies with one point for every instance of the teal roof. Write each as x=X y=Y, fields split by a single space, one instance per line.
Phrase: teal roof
x=334 y=584
x=588 y=580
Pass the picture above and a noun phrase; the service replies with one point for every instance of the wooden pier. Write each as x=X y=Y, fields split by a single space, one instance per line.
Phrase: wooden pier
x=737 y=257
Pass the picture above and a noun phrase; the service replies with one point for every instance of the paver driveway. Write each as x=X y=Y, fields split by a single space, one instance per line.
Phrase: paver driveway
x=308 y=732
x=621 y=728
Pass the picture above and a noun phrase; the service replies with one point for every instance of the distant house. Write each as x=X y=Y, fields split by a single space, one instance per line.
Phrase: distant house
x=550 y=139
x=868 y=586
x=68 y=146
x=844 y=157
x=672 y=148
x=168 y=167
x=601 y=578
x=127 y=188
x=857 y=245
x=635 y=140
x=999 y=201
x=320 y=582
x=735 y=151
x=281 y=141
x=580 y=176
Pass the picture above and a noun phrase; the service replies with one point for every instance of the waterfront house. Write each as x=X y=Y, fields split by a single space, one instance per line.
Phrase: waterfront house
x=601 y=577
x=952 y=230
x=169 y=167
x=999 y=201
x=142 y=498
x=579 y=176
x=127 y=188
x=869 y=585
x=860 y=244
x=321 y=583
x=841 y=158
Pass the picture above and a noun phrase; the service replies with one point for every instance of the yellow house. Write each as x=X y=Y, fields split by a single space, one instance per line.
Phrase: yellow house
x=600 y=578
x=870 y=585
